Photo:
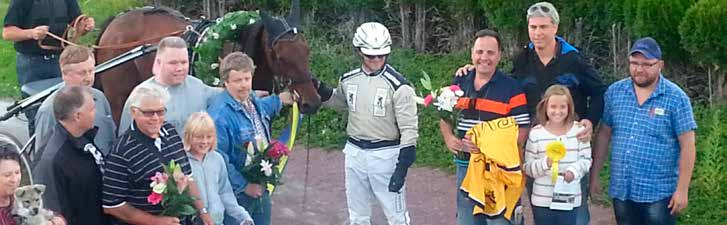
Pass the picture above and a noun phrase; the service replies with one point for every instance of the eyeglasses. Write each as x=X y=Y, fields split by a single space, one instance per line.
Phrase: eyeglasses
x=151 y=113
x=375 y=56
x=541 y=7
x=642 y=65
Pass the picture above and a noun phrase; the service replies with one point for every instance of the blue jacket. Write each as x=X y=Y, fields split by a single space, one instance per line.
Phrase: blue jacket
x=235 y=128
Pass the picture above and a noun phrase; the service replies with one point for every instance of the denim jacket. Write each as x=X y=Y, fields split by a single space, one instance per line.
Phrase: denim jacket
x=235 y=128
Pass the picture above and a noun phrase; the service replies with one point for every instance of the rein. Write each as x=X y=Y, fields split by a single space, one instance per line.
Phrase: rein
x=74 y=29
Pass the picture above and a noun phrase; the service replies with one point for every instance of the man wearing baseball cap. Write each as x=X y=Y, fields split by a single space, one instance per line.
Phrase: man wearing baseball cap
x=650 y=124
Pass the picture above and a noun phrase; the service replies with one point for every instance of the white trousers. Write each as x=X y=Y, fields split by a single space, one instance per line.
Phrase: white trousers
x=367 y=177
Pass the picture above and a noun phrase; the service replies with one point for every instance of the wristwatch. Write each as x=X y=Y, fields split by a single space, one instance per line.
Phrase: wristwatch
x=203 y=211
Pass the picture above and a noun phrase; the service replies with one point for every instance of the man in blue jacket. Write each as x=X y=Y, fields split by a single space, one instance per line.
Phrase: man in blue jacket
x=241 y=117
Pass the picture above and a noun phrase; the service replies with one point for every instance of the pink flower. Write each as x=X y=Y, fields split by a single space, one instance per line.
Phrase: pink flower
x=154 y=198
x=454 y=88
x=428 y=100
x=160 y=178
x=277 y=150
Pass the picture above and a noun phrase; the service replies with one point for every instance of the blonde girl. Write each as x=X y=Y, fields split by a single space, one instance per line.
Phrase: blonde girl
x=210 y=172
x=556 y=122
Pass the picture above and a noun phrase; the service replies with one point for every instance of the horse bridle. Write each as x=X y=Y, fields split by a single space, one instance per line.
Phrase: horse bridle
x=289 y=81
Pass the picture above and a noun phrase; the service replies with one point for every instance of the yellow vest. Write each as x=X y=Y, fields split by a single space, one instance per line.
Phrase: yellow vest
x=494 y=179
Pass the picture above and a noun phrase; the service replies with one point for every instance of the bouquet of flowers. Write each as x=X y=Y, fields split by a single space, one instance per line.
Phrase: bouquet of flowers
x=444 y=99
x=261 y=164
x=172 y=193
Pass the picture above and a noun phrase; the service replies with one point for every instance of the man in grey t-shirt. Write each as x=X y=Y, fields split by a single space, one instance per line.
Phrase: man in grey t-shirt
x=77 y=66
x=188 y=94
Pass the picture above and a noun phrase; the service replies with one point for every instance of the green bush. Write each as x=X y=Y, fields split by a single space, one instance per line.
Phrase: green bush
x=703 y=31
x=659 y=19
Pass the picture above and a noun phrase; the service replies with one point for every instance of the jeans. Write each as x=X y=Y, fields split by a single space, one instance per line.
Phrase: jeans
x=34 y=68
x=259 y=209
x=465 y=206
x=583 y=216
x=635 y=213
x=546 y=216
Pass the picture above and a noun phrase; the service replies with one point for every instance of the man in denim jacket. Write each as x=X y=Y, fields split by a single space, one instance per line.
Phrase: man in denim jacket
x=241 y=117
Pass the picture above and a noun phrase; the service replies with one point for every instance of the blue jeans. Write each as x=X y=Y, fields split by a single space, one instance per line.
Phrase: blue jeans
x=635 y=213
x=34 y=68
x=583 y=216
x=259 y=209
x=546 y=216
x=465 y=205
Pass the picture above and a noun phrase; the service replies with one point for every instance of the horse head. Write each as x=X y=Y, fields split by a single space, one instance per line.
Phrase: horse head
x=288 y=54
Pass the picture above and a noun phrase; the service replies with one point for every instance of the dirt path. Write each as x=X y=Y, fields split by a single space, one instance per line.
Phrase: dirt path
x=430 y=195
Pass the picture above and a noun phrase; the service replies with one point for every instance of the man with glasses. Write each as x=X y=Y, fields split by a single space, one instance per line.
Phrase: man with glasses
x=650 y=122
x=382 y=128
x=77 y=65
x=149 y=143
x=171 y=71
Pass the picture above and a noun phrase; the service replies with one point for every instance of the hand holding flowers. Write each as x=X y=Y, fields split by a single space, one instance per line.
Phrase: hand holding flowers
x=172 y=193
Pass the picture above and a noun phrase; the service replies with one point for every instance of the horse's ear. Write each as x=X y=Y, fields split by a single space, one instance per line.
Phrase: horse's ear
x=294 y=17
x=269 y=27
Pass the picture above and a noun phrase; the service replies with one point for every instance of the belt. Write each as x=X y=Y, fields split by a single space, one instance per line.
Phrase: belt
x=368 y=144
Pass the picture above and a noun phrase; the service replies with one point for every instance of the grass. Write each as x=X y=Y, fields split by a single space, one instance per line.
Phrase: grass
x=98 y=9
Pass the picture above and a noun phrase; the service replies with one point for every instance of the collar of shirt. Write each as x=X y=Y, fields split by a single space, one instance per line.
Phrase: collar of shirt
x=79 y=142
x=375 y=73
x=493 y=80
x=143 y=137
x=234 y=103
x=660 y=89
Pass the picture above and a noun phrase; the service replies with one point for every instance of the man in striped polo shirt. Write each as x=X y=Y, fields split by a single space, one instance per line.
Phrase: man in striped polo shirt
x=149 y=143
x=488 y=94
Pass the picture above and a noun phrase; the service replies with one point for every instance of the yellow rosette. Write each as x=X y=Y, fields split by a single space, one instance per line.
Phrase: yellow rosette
x=555 y=151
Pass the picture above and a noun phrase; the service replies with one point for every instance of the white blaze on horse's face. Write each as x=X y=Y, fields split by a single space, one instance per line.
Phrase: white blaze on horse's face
x=172 y=66
x=239 y=84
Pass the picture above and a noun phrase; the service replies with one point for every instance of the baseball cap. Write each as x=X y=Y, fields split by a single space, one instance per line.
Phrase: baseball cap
x=648 y=47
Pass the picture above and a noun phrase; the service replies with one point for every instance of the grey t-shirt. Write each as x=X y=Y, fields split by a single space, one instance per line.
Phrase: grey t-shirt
x=189 y=97
x=45 y=123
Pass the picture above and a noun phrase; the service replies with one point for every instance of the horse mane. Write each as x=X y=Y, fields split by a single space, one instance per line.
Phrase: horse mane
x=163 y=10
x=146 y=10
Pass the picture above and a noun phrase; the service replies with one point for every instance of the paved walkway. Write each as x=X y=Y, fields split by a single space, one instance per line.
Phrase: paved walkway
x=430 y=195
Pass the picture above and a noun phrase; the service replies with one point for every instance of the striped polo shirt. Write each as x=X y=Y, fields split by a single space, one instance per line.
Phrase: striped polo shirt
x=134 y=160
x=500 y=97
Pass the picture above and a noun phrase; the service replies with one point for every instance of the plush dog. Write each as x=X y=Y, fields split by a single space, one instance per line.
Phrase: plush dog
x=28 y=208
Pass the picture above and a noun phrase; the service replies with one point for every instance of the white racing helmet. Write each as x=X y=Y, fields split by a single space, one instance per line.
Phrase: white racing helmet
x=373 y=39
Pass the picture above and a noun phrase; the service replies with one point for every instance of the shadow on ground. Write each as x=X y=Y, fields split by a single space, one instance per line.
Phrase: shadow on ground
x=430 y=194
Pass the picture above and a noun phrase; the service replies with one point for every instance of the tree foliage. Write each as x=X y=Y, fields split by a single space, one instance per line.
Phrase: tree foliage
x=703 y=31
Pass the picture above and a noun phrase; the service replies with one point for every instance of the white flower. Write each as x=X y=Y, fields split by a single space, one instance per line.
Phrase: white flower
x=214 y=65
x=267 y=168
x=248 y=160
x=233 y=26
x=204 y=40
x=159 y=188
x=215 y=36
x=251 y=21
x=459 y=93
x=250 y=149
x=218 y=20
x=153 y=183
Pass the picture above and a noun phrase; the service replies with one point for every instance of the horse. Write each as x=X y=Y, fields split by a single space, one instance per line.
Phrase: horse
x=275 y=44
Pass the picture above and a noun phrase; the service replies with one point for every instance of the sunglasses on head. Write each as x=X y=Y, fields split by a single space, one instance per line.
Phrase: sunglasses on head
x=151 y=113
x=375 y=56
x=542 y=8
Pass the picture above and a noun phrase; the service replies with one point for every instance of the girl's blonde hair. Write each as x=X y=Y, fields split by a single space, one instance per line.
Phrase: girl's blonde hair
x=541 y=112
x=199 y=123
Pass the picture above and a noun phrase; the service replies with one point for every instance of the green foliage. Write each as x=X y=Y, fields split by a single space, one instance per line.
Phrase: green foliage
x=703 y=31
x=226 y=29
x=708 y=190
x=659 y=19
x=98 y=9
x=508 y=17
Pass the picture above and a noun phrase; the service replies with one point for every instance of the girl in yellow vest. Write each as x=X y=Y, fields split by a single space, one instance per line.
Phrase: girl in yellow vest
x=556 y=159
